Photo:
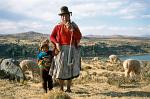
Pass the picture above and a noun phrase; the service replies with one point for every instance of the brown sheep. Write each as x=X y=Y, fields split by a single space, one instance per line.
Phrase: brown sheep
x=131 y=67
x=30 y=65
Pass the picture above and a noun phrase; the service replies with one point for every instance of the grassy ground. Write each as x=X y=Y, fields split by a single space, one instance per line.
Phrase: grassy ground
x=98 y=80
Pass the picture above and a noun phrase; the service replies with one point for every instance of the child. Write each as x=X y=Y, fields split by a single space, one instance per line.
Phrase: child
x=44 y=61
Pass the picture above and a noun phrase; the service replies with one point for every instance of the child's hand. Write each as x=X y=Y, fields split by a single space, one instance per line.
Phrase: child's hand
x=40 y=62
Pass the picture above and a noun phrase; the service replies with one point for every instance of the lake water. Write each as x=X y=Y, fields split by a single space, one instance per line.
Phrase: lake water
x=137 y=57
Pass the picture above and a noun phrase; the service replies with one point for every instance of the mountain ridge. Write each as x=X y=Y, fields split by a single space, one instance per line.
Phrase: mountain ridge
x=26 y=35
x=37 y=35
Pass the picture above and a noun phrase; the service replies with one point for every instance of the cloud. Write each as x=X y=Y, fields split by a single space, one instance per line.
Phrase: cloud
x=146 y=16
x=15 y=27
x=126 y=9
x=132 y=10
x=42 y=15
x=99 y=8
x=95 y=30
x=46 y=10
x=128 y=17
x=115 y=30
x=7 y=26
x=40 y=9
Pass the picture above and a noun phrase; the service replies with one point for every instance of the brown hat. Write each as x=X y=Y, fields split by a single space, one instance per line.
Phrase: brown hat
x=64 y=10
x=44 y=45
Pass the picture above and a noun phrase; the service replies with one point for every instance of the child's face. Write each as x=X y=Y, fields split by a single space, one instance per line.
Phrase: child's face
x=45 y=49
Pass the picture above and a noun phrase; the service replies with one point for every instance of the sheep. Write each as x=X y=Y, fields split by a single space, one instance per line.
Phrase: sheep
x=131 y=67
x=30 y=65
x=95 y=59
x=114 y=59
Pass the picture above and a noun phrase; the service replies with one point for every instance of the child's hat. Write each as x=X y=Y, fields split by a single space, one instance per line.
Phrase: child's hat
x=44 y=43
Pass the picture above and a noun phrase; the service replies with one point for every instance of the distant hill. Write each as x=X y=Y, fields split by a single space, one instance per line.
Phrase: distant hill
x=117 y=37
x=36 y=35
x=26 y=35
x=147 y=35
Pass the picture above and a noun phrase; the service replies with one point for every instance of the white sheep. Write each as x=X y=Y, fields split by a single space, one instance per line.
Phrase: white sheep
x=30 y=65
x=95 y=59
x=131 y=67
x=114 y=59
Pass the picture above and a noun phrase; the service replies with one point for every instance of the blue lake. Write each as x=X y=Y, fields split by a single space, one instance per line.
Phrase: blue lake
x=137 y=57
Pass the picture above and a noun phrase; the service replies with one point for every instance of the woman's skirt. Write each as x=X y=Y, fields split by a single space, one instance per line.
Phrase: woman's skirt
x=67 y=63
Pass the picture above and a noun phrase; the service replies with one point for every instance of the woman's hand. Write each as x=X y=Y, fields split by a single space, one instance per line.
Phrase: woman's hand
x=57 y=46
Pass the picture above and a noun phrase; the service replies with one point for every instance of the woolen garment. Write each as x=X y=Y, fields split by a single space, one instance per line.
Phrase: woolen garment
x=61 y=69
x=42 y=54
x=47 y=81
x=62 y=35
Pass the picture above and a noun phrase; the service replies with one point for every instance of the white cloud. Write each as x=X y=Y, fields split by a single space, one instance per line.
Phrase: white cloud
x=87 y=30
x=100 y=8
x=15 y=27
x=132 y=10
x=44 y=13
x=42 y=9
x=48 y=10
x=114 y=30
x=145 y=16
x=7 y=26
x=128 y=17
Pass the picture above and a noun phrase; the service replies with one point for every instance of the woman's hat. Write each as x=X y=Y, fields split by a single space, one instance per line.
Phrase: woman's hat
x=64 y=10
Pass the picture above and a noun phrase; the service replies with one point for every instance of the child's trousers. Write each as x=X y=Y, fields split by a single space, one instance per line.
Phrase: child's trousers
x=47 y=81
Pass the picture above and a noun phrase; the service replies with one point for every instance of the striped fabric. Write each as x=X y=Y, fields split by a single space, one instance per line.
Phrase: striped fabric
x=61 y=69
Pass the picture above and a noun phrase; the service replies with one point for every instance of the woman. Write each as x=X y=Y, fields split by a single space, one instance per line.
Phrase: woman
x=66 y=37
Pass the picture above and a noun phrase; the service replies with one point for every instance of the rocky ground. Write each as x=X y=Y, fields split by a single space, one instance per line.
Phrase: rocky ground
x=98 y=80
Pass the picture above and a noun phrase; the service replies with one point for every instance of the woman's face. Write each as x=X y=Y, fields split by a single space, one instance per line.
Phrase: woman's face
x=65 y=18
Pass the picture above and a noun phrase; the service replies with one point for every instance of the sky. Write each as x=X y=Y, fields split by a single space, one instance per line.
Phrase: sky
x=94 y=17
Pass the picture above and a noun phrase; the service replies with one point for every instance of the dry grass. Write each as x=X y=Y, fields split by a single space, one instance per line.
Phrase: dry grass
x=94 y=82
x=113 y=74
x=56 y=95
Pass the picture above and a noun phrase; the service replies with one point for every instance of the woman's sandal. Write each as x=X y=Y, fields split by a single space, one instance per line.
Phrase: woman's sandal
x=68 y=91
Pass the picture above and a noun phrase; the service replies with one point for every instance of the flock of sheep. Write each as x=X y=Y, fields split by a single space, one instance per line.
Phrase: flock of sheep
x=131 y=67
